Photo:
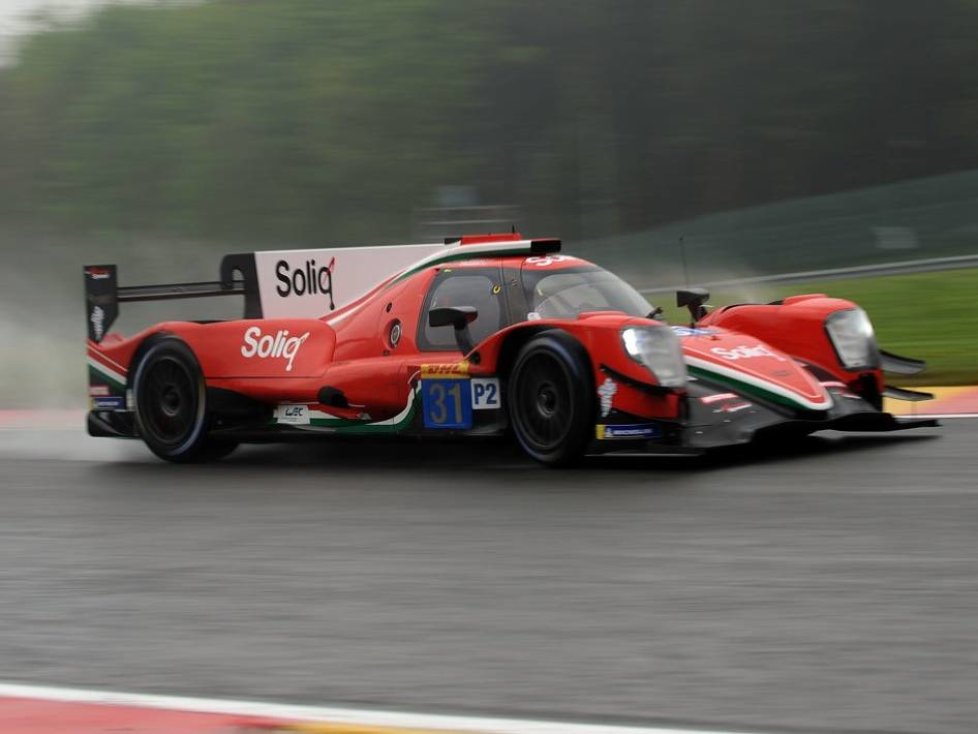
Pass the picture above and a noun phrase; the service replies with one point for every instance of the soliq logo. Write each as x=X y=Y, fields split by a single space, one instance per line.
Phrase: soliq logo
x=266 y=346
x=312 y=279
x=746 y=352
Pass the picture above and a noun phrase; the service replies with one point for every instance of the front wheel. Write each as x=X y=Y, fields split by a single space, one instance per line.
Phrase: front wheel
x=171 y=402
x=551 y=400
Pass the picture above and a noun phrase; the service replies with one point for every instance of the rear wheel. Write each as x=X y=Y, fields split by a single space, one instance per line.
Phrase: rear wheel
x=551 y=400
x=171 y=403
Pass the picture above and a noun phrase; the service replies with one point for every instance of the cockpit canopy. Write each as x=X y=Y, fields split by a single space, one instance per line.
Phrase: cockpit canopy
x=565 y=293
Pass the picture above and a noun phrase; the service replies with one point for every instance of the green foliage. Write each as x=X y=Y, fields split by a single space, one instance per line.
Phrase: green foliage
x=313 y=120
x=273 y=119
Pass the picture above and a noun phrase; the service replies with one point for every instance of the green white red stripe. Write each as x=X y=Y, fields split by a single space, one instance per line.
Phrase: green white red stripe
x=452 y=254
x=105 y=369
x=759 y=386
x=321 y=420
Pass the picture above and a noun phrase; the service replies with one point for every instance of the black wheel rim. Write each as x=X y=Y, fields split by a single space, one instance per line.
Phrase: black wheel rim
x=168 y=401
x=544 y=408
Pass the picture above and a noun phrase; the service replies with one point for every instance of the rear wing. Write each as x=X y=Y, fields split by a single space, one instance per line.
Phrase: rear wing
x=103 y=294
x=297 y=283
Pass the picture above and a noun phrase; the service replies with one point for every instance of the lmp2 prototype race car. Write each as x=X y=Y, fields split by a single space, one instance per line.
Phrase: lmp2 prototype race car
x=482 y=335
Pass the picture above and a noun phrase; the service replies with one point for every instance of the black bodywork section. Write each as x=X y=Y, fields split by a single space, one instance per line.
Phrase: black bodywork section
x=742 y=419
x=704 y=425
x=711 y=425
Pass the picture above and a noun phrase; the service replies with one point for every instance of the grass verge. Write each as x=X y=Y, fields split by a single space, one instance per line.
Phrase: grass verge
x=930 y=316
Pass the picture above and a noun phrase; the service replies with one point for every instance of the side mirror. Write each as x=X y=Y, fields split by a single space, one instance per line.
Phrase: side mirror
x=459 y=318
x=694 y=299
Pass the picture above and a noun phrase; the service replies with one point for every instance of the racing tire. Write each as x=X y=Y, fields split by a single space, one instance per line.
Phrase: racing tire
x=171 y=402
x=550 y=397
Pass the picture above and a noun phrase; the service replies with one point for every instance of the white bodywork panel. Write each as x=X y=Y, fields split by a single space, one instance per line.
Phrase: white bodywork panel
x=313 y=283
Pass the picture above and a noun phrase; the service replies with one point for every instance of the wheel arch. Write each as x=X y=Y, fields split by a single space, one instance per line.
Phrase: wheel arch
x=575 y=364
x=144 y=346
x=513 y=341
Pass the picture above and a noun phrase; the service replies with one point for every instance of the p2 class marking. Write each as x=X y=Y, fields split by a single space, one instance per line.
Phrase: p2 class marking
x=485 y=393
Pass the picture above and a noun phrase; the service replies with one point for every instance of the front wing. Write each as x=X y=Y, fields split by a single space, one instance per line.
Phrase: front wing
x=716 y=417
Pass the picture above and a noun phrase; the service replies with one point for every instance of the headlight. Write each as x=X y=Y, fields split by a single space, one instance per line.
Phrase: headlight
x=658 y=349
x=851 y=333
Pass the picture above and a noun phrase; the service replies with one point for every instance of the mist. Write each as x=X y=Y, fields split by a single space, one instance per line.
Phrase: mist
x=159 y=136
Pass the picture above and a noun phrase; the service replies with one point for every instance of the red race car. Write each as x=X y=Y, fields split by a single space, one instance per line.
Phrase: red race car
x=482 y=335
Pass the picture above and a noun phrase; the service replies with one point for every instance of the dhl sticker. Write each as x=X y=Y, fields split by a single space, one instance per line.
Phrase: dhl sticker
x=437 y=371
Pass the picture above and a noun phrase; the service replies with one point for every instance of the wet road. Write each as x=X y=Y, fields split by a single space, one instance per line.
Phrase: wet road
x=833 y=589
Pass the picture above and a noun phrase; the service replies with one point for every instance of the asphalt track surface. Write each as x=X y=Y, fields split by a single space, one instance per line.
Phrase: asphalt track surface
x=830 y=587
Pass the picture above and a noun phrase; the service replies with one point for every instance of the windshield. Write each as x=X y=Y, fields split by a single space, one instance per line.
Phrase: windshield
x=566 y=293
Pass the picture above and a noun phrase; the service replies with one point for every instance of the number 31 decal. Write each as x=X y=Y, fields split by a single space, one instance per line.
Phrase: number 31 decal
x=446 y=403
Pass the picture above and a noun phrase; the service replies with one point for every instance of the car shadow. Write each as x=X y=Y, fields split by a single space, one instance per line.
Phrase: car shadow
x=497 y=455
x=763 y=452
